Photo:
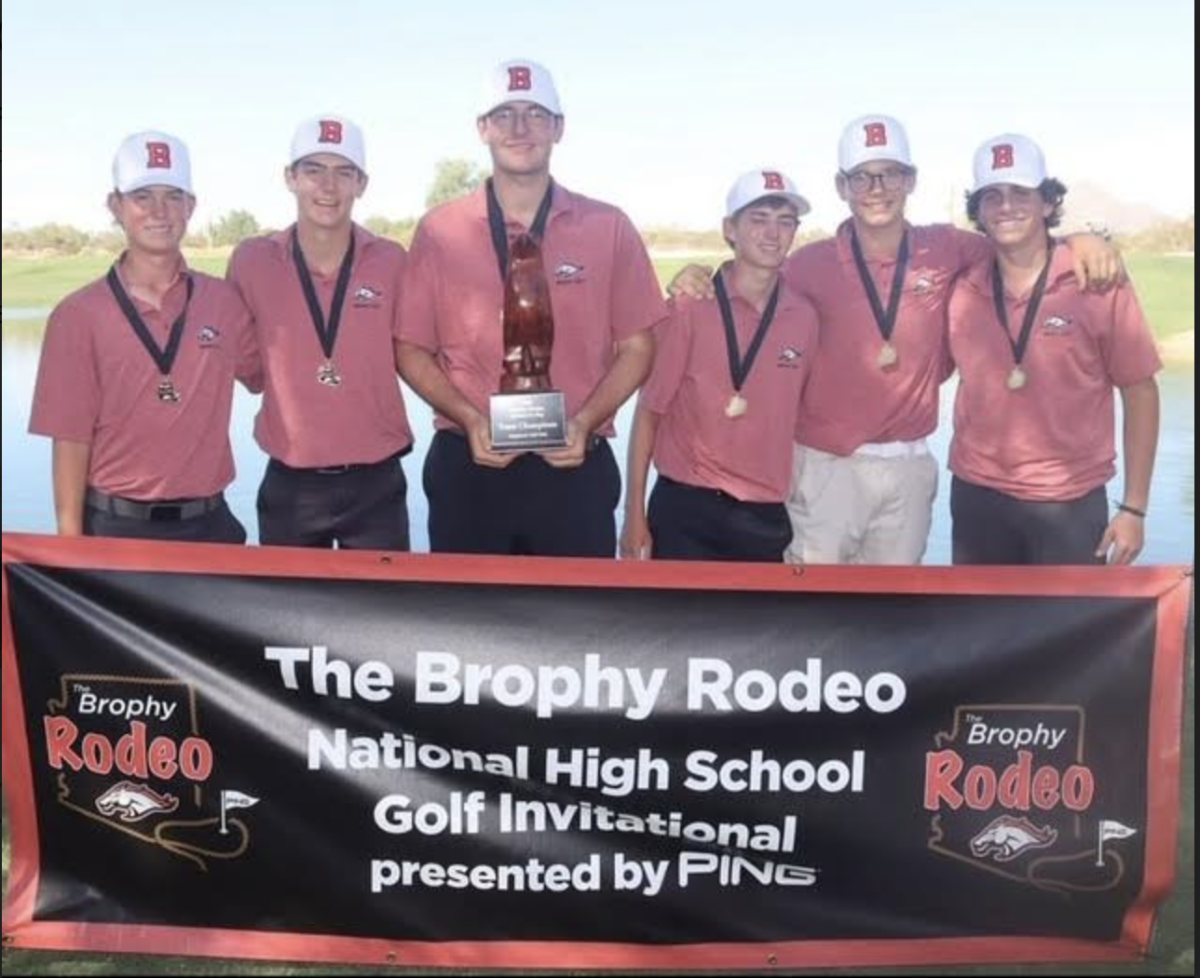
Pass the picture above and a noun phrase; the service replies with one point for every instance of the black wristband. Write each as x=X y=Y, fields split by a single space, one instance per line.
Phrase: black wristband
x=1131 y=510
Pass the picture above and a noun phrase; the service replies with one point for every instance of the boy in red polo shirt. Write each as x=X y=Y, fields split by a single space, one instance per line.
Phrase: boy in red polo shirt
x=605 y=299
x=1038 y=359
x=719 y=411
x=323 y=294
x=135 y=383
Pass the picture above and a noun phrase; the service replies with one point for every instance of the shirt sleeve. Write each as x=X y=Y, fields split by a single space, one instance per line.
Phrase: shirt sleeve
x=66 y=396
x=1130 y=355
x=249 y=366
x=637 y=299
x=399 y=284
x=673 y=345
x=416 y=318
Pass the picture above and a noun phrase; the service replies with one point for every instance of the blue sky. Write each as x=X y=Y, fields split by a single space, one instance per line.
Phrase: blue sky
x=666 y=103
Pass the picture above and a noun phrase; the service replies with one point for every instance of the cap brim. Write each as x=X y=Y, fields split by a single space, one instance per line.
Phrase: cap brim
x=802 y=206
x=152 y=181
x=1025 y=183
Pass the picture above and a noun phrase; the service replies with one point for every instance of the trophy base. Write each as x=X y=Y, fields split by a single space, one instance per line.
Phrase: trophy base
x=528 y=422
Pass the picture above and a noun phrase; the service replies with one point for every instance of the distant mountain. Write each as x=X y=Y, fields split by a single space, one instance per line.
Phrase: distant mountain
x=1088 y=204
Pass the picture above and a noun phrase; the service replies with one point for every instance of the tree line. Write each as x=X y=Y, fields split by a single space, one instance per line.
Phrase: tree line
x=452 y=179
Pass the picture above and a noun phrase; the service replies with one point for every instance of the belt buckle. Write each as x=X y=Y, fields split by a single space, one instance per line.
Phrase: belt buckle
x=334 y=469
x=165 y=512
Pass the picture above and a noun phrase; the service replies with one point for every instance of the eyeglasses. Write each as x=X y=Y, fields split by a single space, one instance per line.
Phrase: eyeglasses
x=862 y=182
x=534 y=117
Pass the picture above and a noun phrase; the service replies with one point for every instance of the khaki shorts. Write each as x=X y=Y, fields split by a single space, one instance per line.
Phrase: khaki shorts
x=872 y=507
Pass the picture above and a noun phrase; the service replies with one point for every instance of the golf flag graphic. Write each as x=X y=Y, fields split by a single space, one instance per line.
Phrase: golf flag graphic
x=234 y=799
x=1111 y=830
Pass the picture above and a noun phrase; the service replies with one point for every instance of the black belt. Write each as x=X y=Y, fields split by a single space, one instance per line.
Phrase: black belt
x=168 y=511
x=340 y=469
x=709 y=491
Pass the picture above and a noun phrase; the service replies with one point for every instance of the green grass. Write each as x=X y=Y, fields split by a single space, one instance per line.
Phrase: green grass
x=39 y=283
x=1166 y=286
x=1165 y=283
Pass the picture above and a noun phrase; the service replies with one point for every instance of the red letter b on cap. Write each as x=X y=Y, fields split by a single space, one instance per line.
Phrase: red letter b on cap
x=331 y=131
x=158 y=156
x=876 y=134
x=1002 y=156
x=519 y=79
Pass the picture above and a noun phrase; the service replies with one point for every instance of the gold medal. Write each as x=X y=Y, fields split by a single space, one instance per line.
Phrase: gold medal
x=167 y=391
x=328 y=375
x=888 y=357
x=1016 y=379
x=736 y=407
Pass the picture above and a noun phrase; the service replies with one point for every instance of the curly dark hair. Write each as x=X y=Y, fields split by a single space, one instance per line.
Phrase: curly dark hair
x=1052 y=191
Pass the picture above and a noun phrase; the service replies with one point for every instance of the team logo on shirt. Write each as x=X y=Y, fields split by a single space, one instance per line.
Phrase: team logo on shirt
x=1056 y=326
x=789 y=357
x=209 y=336
x=923 y=285
x=568 y=273
x=367 y=296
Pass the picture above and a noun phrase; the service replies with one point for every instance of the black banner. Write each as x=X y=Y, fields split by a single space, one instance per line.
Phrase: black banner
x=272 y=753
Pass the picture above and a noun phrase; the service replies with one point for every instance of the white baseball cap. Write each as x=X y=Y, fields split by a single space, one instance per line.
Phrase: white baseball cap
x=149 y=158
x=329 y=134
x=1009 y=158
x=519 y=80
x=758 y=184
x=873 y=137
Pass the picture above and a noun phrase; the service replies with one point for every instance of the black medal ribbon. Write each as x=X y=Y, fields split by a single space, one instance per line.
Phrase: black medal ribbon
x=500 y=231
x=163 y=358
x=326 y=330
x=739 y=366
x=1021 y=343
x=885 y=319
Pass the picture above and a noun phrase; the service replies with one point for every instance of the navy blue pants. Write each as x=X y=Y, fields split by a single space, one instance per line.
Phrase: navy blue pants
x=529 y=508
x=991 y=527
x=694 y=523
x=356 y=507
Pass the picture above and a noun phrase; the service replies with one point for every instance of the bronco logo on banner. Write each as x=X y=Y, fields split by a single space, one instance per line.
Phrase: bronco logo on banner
x=521 y=763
